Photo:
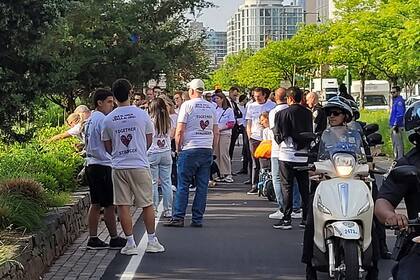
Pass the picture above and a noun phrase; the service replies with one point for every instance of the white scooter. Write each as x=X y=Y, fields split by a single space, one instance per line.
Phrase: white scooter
x=342 y=206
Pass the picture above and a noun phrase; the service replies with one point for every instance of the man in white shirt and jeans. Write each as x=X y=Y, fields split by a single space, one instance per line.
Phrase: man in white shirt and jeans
x=195 y=135
x=127 y=133
x=255 y=131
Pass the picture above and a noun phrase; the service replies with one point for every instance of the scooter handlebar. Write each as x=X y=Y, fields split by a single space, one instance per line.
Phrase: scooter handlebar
x=310 y=167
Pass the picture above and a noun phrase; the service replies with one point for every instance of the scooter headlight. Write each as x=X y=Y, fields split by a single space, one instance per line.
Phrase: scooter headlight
x=322 y=207
x=344 y=164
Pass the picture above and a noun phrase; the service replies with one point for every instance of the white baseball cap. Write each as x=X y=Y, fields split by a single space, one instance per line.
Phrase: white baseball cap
x=196 y=84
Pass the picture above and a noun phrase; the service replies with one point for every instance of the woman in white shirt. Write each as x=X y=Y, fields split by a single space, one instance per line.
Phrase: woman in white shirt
x=159 y=155
x=226 y=120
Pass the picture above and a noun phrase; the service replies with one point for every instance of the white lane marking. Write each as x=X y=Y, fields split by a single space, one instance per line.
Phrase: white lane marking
x=130 y=270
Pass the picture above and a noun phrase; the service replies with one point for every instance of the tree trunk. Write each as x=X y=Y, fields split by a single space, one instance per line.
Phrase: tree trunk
x=362 y=88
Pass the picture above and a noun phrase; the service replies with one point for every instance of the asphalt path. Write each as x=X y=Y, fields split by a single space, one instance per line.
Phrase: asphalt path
x=236 y=242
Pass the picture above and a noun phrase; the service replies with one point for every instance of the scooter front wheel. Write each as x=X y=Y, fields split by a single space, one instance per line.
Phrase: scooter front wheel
x=351 y=259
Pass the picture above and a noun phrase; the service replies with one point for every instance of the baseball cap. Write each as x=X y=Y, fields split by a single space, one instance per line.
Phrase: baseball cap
x=196 y=84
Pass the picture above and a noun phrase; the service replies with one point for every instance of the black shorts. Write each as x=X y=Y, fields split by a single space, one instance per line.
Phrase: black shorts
x=99 y=178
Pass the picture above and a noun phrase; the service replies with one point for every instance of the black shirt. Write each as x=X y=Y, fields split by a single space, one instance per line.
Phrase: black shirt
x=291 y=122
x=395 y=189
x=320 y=119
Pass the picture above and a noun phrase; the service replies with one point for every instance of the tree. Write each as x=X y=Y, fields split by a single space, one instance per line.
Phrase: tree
x=227 y=75
x=23 y=24
x=100 y=41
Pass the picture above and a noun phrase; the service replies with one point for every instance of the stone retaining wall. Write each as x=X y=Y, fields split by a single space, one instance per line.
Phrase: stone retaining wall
x=62 y=226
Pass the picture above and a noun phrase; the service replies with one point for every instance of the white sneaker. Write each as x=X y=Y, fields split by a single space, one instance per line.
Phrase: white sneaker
x=129 y=250
x=193 y=189
x=212 y=184
x=154 y=247
x=173 y=188
x=278 y=215
x=228 y=179
x=167 y=213
x=296 y=215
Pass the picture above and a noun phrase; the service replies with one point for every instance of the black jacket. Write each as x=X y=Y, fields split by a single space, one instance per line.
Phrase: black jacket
x=291 y=122
x=320 y=119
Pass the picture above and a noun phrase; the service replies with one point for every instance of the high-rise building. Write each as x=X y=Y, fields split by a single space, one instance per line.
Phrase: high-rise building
x=215 y=42
x=258 y=21
x=325 y=9
x=216 y=47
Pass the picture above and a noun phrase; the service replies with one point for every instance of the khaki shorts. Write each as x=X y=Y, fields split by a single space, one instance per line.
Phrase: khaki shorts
x=132 y=182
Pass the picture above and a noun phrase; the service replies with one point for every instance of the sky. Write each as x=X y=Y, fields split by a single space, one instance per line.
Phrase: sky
x=216 y=18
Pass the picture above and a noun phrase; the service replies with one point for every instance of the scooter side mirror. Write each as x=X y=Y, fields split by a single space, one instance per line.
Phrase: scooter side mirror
x=374 y=139
x=371 y=128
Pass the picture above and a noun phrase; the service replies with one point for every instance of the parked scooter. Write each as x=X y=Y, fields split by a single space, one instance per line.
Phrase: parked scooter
x=342 y=206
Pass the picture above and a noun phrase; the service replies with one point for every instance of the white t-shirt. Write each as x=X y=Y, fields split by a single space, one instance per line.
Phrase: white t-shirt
x=253 y=114
x=275 y=148
x=95 y=148
x=161 y=142
x=268 y=134
x=200 y=117
x=127 y=127
x=224 y=118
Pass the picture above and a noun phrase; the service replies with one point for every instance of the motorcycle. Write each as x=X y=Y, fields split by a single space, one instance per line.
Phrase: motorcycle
x=406 y=250
x=342 y=205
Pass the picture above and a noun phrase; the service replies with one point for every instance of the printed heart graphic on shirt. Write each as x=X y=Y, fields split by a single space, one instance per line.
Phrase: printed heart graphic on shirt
x=126 y=139
x=204 y=124
x=161 y=143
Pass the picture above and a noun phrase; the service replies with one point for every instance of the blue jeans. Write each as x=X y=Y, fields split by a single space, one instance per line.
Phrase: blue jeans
x=192 y=162
x=161 y=168
x=275 y=174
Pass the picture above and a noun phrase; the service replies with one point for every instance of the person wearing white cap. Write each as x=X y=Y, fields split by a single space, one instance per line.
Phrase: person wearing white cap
x=195 y=135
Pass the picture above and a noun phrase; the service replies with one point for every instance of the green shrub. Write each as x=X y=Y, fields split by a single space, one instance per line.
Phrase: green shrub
x=20 y=212
x=54 y=199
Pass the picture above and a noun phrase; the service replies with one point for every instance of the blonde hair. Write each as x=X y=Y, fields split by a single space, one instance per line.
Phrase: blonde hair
x=73 y=117
x=81 y=109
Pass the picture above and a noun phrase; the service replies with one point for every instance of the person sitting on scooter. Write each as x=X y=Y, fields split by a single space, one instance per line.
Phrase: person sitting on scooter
x=393 y=189
x=339 y=114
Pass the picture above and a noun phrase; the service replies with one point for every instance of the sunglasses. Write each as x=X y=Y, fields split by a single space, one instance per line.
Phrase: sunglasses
x=334 y=113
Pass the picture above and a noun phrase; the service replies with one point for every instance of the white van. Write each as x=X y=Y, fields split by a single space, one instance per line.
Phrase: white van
x=376 y=94
x=328 y=89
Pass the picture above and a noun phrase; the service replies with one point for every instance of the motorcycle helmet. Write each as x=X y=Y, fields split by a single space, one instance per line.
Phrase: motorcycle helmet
x=339 y=102
x=412 y=123
x=355 y=109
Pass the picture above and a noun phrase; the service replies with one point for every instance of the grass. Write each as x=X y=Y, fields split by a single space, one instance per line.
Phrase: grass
x=381 y=117
x=19 y=212
x=54 y=199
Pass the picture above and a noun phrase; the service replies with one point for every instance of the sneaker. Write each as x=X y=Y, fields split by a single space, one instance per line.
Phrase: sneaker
x=174 y=223
x=174 y=188
x=117 y=243
x=283 y=224
x=154 y=247
x=296 y=215
x=193 y=189
x=247 y=182
x=129 y=250
x=212 y=184
x=302 y=224
x=219 y=179
x=242 y=171
x=228 y=179
x=278 y=215
x=96 y=244
x=253 y=190
x=167 y=213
